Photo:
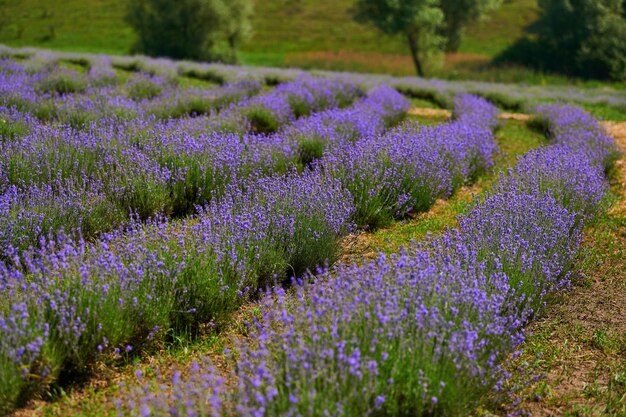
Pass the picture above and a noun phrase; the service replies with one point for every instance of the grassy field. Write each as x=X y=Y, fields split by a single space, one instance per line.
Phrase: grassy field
x=303 y=33
x=75 y=25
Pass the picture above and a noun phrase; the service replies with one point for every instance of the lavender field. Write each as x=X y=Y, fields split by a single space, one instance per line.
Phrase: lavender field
x=143 y=201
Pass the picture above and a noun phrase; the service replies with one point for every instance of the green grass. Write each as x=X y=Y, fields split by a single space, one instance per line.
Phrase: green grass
x=308 y=34
x=303 y=33
x=605 y=111
x=497 y=32
x=69 y=25
x=423 y=103
x=185 y=82
x=426 y=120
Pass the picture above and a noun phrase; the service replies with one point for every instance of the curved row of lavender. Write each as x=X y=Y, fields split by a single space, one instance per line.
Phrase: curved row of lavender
x=511 y=96
x=54 y=92
x=410 y=167
x=424 y=331
x=58 y=177
x=67 y=301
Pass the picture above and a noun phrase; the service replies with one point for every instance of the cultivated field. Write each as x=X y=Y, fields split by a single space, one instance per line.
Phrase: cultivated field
x=191 y=239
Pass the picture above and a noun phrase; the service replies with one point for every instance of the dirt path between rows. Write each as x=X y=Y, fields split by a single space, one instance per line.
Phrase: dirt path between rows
x=426 y=112
x=582 y=335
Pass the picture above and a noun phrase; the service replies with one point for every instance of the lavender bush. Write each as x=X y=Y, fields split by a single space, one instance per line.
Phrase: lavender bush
x=410 y=167
x=129 y=286
x=381 y=109
x=275 y=179
x=103 y=168
x=122 y=290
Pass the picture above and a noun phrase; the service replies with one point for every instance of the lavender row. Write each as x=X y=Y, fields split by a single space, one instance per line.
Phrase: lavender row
x=61 y=178
x=409 y=168
x=57 y=177
x=516 y=97
x=53 y=93
x=68 y=302
x=82 y=300
x=425 y=331
x=336 y=128
x=510 y=96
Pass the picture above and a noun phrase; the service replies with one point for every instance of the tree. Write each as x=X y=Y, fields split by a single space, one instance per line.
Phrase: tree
x=576 y=37
x=236 y=18
x=458 y=14
x=4 y=19
x=417 y=20
x=188 y=29
x=603 y=53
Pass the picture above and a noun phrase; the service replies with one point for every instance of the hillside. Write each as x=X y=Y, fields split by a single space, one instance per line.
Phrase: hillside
x=306 y=33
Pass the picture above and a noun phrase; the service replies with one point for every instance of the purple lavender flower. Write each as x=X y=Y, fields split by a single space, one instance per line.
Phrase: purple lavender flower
x=424 y=331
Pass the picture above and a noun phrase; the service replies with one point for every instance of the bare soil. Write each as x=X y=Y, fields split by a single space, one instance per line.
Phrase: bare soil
x=426 y=112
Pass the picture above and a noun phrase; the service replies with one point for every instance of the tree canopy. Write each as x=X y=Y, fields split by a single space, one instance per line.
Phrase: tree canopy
x=576 y=37
x=417 y=20
x=458 y=14
x=428 y=25
x=189 y=29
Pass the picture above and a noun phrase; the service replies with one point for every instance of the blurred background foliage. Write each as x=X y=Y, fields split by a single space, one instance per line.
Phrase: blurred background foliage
x=545 y=41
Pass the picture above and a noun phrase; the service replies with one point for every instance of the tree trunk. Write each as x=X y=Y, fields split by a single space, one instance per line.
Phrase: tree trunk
x=414 y=53
x=455 y=18
x=453 y=39
x=232 y=42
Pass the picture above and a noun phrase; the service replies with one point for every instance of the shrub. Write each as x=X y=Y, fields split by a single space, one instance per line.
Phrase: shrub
x=144 y=88
x=65 y=82
x=189 y=29
x=581 y=37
